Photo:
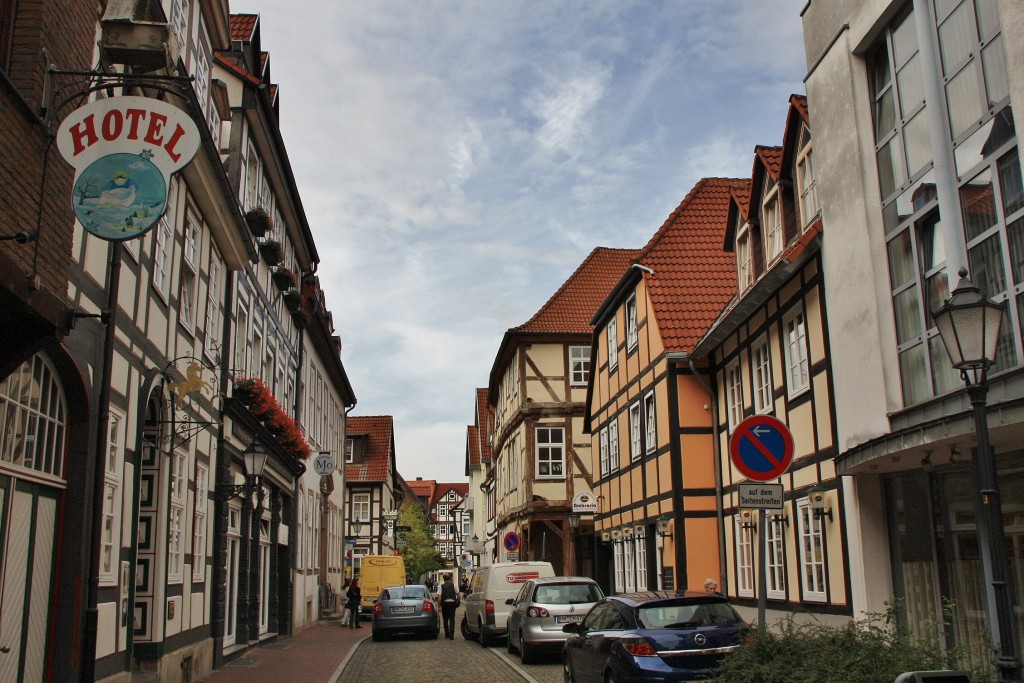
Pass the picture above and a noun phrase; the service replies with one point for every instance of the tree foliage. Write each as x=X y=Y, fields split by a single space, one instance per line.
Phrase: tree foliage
x=420 y=553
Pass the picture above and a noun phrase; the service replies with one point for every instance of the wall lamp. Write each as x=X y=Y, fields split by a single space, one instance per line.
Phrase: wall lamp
x=816 y=496
x=23 y=237
x=663 y=526
x=781 y=517
x=574 y=520
x=747 y=520
x=255 y=459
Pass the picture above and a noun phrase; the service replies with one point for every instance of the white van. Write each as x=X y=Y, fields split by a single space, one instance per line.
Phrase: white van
x=487 y=612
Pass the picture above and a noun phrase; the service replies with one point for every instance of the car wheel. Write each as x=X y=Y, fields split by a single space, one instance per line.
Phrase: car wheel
x=466 y=633
x=527 y=655
x=512 y=649
x=610 y=677
x=485 y=641
x=377 y=637
x=567 y=673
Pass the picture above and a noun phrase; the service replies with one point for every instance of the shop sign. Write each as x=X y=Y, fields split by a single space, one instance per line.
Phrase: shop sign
x=124 y=151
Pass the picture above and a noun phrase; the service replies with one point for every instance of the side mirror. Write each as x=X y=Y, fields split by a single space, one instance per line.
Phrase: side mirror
x=572 y=627
x=510 y=601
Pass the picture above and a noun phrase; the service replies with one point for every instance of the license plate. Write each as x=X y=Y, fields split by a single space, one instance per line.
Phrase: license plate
x=574 y=619
x=402 y=610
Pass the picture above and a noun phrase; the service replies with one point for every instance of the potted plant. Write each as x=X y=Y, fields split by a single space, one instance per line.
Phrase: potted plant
x=272 y=252
x=284 y=278
x=292 y=299
x=259 y=221
x=300 y=318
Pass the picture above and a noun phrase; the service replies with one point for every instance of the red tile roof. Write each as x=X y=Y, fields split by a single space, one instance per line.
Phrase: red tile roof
x=770 y=158
x=243 y=25
x=693 y=278
x=442 y=490
x=379 y=456
x=570 y=309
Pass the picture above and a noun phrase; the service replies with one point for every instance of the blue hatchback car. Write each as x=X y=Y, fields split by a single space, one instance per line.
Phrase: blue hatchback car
x=653 y=636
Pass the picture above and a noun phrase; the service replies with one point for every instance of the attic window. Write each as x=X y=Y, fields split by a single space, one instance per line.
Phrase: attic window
x=349 y=450
x=771 y=219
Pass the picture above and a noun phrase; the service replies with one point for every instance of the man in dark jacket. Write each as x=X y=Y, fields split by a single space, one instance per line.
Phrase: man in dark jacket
x=449 y=603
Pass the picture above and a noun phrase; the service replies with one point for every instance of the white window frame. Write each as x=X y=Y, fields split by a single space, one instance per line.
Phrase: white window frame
x=620 y=584
x=234 y=544
x=613 y=445
x=744 y=258
x=579 y=365
x=798 y=369
x=807 y=190
x=734 y=393
x=771 y=220
x=188 y=281
x=199 y=523
x=631 y=326
x=605 y=466
x=612 y=333
x=629 y=561
x=161 y=275
x=549 y=453
x=214 y=326
x=775 y=557
x=636 y=442
x=762 y=361
x=640 y=552
x=361 y=506
x=813 y=571
x=176 y=516
x=111 y=532
x=744 y=557
x=350 y=450
x=651 y=419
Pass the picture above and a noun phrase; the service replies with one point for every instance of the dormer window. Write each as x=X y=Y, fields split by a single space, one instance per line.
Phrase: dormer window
x=744 y=258
x=631 y=332
x=771 y=219
x=808 y=191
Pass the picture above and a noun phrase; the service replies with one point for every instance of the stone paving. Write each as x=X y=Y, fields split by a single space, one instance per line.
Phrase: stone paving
x=410 y=660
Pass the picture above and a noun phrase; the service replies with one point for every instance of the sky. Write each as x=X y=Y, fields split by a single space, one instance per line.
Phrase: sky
x=458 y=159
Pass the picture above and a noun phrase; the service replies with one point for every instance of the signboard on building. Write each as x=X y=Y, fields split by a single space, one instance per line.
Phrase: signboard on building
x=761 y=447
x=761 y=496
x=324 y=463
x=124 y=151
x=584 y=503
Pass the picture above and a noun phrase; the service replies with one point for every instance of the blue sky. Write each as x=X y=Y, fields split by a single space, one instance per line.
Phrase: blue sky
x=458 y=160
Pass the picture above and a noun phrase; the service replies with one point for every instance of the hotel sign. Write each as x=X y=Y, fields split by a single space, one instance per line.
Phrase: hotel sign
x=124 y=151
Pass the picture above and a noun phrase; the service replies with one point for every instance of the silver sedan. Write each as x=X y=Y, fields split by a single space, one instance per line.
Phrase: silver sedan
x=542 y=607
x=405 y=609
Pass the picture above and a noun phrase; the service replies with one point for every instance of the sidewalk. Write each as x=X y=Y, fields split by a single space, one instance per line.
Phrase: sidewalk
x=314 y=655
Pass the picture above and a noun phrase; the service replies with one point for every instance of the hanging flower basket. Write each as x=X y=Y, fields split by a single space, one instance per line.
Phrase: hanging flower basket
x=272 y=252
x=292 y=300
x=257 y=398
x=259 y=221
x=301 y=319
x=284 y=278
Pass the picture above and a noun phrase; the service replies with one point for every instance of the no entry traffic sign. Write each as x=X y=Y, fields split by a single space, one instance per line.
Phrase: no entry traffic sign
x=511 y=541
x=761 y=447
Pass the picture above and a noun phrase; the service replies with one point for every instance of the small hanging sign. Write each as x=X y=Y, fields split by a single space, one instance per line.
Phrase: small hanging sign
x=124 y=151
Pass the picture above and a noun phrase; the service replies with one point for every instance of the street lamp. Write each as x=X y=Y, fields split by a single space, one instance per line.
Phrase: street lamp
x=255 y=460
x=574 y=524
x=969 y=326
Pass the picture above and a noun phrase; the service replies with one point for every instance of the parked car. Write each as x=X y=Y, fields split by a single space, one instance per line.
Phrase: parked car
x=405 y=609
x=491 y=585
x=542 y=607
x=652 y=636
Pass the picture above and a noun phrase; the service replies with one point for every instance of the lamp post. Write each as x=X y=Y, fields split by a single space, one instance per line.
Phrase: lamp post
x=969 y=326
x=574 y=524
x=255 y=460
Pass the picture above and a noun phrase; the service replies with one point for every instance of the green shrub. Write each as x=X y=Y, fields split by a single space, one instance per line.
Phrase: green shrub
x=861 y=651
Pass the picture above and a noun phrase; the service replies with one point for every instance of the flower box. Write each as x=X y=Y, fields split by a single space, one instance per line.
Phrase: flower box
x=292 y=299
x=259 y=221
x=257 y=398
x=284 y=278
x=272 y=252
x=301 y=319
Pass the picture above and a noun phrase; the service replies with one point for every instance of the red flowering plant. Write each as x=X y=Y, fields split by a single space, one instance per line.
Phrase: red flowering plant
x=256 y=396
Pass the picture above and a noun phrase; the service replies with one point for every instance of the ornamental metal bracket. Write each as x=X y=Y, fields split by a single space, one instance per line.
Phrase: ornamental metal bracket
x=189 y=390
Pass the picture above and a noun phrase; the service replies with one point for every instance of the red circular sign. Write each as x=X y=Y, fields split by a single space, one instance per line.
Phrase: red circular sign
x=761 y=447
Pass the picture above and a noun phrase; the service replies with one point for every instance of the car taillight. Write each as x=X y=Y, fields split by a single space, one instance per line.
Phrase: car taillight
x=428 y=605
x=535 y=612
x=638 y=647
x=378 y=608
x=489 y=607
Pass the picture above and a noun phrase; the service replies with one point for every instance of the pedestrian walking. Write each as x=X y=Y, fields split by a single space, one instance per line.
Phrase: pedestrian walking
x=355 y=595
x=344 y=605
x=464 y=586
x=449 y=603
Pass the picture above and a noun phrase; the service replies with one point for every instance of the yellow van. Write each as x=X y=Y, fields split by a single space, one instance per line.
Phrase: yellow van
x=378 y=572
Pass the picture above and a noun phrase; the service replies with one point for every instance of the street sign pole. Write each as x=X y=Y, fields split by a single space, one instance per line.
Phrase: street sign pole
x=762 y=574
